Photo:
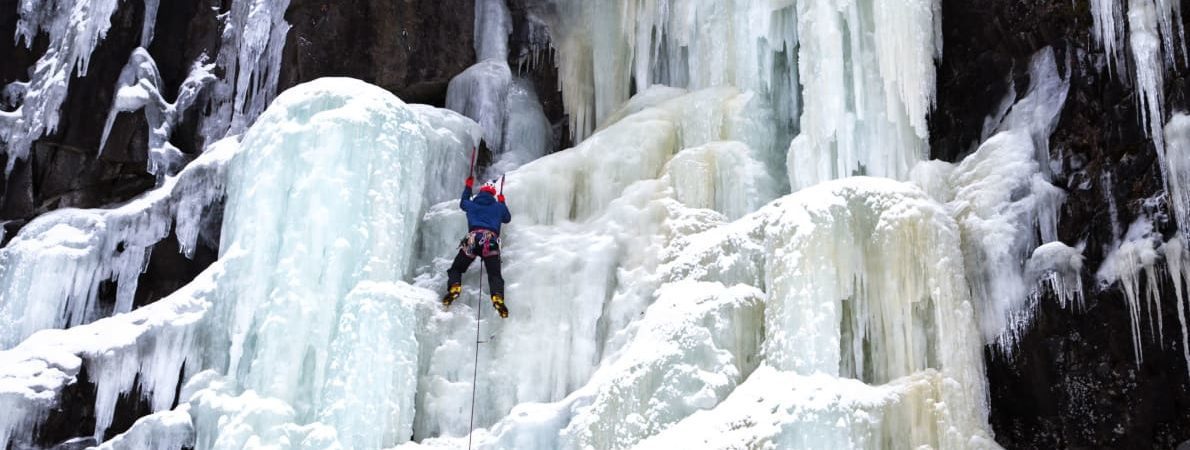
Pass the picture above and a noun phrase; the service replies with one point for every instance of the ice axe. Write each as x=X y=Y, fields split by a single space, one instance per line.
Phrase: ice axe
x=471 y=171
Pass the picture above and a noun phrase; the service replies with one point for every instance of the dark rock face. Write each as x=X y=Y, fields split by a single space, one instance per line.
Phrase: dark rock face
x=1073 y=381
x=412 y=48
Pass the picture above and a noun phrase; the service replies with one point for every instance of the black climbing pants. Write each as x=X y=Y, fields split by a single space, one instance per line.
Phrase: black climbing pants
x=491 y=264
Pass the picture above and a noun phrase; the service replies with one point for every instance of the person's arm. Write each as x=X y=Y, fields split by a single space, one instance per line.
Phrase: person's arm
x=465 y=202
x=507 y=214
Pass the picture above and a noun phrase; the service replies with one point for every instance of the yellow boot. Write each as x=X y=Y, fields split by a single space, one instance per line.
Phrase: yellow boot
x=452 y=294
x=498 y=303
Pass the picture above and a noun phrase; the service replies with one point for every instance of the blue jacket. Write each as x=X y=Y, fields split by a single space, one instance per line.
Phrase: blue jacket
x=484 y=211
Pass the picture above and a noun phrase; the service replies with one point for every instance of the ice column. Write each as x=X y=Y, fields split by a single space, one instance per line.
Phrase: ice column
x=869 y=65
x=514 y=126
x=606 y=48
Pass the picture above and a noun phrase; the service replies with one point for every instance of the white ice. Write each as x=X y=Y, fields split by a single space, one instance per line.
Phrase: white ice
x=51 y=271
x=318 y=328
x=253 y=38
x=1136 y=256
x=139 y=87
x=73 y=28
x=506 y=106
x=1004 y=203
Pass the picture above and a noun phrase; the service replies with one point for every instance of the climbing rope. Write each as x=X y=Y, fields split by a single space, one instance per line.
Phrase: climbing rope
x=475 y=369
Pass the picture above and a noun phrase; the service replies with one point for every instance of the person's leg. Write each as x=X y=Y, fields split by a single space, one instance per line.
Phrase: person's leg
x=496 y=284
x=454 y=277
x=495 y=279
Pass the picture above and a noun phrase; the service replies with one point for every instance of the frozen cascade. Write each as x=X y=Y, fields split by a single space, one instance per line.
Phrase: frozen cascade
x=622 y=194
x=506 y=106
x=74 y=28
x=139 y=87
x=250 y=57
x=603 y=48
x=864 y=120
x=313 y=343
x=1003 y=202
x=869 y=65
x=51 y=271
x=864 y=336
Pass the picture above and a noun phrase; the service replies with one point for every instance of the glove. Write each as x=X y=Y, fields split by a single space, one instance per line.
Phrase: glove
x=500 y=198
x=470 y=182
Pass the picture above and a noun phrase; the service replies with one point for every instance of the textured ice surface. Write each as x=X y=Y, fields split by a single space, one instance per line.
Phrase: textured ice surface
x=590 y=224
x=51 y=271
x=506 y=106
x=302 y=320
x=1002 y=199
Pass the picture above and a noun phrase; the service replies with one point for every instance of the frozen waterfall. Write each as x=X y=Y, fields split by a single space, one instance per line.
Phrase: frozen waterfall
x=745 y=247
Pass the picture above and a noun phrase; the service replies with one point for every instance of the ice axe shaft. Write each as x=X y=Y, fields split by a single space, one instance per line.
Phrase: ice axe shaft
x=471 y=171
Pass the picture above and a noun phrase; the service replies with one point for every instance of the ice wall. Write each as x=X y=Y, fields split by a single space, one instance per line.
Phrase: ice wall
x=882 y=328
x=302 y=323
x=581 y=255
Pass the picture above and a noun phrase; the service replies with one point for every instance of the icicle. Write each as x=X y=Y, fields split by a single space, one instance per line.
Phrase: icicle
x=1176 y=169
x=74 y=28
x=150 y=22
x=1145 y=42
x=50 y=273
x=250 y=54
x=605 y=47
x=1135 y=254
x=139 y=87
x=1178 y=260
x=1109 y=30
x=1058 y=267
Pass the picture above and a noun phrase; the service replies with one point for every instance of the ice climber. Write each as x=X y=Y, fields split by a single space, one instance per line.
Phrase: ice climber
x=485 y=213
